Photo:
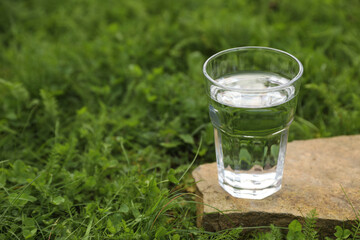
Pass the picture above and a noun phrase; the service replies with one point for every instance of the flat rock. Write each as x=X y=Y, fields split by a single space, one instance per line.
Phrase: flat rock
x=321 y=174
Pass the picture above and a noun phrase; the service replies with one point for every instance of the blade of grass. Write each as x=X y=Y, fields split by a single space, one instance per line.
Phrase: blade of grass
x=124 y=151
x=197 y=153
x=88 y=229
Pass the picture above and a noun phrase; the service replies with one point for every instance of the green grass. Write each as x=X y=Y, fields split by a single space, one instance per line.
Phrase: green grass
x=100 y=99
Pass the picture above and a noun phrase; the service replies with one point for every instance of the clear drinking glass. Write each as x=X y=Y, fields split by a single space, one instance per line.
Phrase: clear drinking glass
x=252 y=101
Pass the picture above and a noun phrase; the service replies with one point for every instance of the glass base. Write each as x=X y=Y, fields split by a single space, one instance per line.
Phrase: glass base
x=250 y=193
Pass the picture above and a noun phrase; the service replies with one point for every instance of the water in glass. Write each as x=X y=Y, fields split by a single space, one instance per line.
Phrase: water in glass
x=251 y=130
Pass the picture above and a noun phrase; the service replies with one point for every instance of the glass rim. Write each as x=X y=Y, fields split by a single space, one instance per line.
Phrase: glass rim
x=294 y=79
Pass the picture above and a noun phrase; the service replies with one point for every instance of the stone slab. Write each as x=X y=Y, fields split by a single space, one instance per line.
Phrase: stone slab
x=317 y=175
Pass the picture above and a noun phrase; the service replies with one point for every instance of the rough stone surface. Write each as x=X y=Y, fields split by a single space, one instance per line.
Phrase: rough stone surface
x=317 y=173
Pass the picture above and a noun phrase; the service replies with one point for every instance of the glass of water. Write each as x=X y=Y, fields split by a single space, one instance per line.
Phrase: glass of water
x=252 y=100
